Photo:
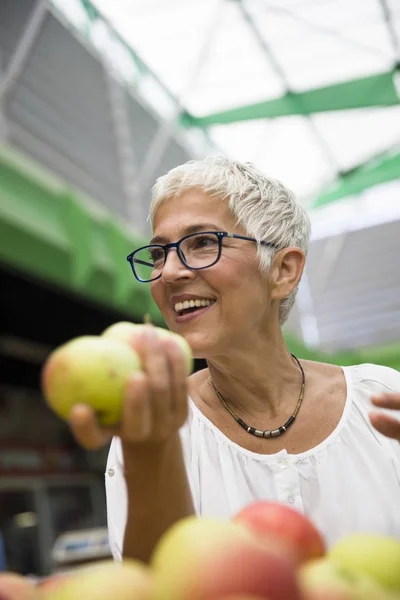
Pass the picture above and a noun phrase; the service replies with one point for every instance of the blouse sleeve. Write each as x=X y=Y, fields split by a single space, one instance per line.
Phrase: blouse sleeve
x=117 y=495
x=379 y=379
x=376 y=379
x=117 y=499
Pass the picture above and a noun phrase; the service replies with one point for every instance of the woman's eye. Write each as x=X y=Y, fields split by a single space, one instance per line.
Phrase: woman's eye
x=204 y=241
x=156 y=255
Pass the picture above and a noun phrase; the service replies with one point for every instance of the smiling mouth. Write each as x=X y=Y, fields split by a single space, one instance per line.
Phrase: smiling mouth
x=189 y=312
x=191 y=306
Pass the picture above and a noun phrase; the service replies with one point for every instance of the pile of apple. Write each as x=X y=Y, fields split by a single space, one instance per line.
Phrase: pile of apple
x=267 y=552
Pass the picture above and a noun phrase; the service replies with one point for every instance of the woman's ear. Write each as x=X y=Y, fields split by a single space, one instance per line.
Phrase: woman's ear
x=286 y=270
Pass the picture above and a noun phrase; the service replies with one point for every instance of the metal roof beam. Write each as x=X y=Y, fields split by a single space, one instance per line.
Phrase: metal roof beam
x=366 y=92
x=380 y=169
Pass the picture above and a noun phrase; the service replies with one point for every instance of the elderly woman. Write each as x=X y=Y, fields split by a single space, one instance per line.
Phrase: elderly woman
x=224 y=265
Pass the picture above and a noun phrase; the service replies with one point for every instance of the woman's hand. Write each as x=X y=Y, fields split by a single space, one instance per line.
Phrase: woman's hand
x=388 y=425
x=156 y=399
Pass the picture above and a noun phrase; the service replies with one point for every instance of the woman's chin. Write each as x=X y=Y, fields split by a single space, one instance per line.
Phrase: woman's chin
x=201 y=347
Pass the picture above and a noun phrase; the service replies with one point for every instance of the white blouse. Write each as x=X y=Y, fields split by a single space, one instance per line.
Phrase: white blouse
x=349 y=482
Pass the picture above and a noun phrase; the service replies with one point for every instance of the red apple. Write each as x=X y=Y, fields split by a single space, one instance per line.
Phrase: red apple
x=207 y=559
x=287 y=525
x=16 y=587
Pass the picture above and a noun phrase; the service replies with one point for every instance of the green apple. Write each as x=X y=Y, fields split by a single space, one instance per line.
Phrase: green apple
x=104 y=581
x=321 y=579
x=125 y=332
x=208 y=559
x=375 y=556
x=89 y=370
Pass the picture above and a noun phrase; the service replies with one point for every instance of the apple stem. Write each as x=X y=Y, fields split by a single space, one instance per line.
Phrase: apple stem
x=147 y=319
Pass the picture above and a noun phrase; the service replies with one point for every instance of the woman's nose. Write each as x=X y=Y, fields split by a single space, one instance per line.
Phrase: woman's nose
x=174 y=268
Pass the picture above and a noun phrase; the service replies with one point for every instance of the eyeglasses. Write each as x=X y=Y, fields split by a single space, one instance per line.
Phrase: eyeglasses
x=196 y=251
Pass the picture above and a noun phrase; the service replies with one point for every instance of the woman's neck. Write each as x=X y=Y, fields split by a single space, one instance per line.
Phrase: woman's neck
x=259 y=380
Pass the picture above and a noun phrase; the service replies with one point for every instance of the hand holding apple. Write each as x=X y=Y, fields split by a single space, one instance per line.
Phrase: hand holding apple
x=130 y=382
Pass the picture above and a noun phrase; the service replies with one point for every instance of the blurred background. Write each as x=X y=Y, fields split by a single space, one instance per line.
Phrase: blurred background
x=97 y=99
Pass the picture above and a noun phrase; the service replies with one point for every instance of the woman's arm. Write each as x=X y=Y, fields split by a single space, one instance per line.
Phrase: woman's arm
x=154 y=409
x=158 y=495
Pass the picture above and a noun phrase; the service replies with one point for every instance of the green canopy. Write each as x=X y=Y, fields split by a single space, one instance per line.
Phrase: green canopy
x=380 y=169
x=375 y=90
x=49 y=230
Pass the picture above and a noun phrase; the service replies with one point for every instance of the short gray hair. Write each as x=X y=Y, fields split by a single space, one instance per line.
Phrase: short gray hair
x=264 y=207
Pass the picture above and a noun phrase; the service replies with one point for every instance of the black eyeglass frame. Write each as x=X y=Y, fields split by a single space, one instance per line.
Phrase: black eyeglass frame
x=166 y=247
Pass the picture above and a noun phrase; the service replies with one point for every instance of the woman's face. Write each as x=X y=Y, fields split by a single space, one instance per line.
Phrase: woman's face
x=241 y=302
